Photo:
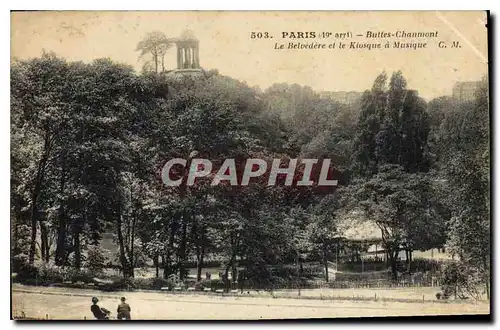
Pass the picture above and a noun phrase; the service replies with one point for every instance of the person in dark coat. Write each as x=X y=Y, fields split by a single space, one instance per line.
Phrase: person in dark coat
x=123 y=310
x=100 y=313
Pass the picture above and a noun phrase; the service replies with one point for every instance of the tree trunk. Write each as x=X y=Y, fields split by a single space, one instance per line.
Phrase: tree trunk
x=16 y=238
x=200 y=253
x=61 y=241
x=132 y=255
x=182 y=248
x=325 y=263
x=164 y=266
x=299 y=268
x=156 y=262
x=486 y=275
x=35 y=194
x=167 y=258
x=392 y=260
x=198 y=231
x=44 y=238
x=234 y=247
x=167 y=265
x=61 y=228
x=226 y=278
x=487 y=283
x=34 y=221
x=233 y=270
x=123 y=258
x=78 y=255
x=410 y=253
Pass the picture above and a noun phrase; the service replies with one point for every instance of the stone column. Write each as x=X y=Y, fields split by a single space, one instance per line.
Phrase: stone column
x=190 y=57
x=197 y=57
x=178 y=57
x=181 y=57
x=185 y=62
x=193 y=51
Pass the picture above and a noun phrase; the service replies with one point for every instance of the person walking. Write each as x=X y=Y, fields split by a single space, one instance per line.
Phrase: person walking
x=123 y=310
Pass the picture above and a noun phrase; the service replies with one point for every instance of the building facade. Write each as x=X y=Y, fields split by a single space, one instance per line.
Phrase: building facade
x=464 y=91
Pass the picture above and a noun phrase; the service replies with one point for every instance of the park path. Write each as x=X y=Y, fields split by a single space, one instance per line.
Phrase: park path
x=59 y=303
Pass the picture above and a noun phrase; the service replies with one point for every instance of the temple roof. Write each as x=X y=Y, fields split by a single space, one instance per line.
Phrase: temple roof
x=187 y=35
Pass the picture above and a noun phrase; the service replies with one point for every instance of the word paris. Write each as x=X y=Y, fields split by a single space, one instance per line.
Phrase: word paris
x=253 y=168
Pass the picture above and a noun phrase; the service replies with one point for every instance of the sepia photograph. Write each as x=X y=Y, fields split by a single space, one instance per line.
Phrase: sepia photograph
x=249 y=165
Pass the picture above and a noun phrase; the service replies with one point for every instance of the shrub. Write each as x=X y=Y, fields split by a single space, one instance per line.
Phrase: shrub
x=279 y=282
x=119 y=285
x=459 y=280
x=26 y=273
x=18 y=261
x=426 y=265
x=159 y=283
x=83 y=275
x=96 y=260
x=49 y=274
x=198 y=286
x=142 y=283
x=138 y=283
x=213 y=284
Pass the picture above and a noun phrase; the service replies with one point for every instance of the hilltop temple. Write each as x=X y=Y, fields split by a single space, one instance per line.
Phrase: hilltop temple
x=188 y=55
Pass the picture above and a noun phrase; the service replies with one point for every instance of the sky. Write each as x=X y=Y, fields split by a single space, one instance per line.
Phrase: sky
x=226 y=45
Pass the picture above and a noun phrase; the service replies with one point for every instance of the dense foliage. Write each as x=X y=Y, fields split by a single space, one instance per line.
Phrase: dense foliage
x=89 y=140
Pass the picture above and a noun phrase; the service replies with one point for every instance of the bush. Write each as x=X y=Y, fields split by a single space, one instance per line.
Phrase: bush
x=158 y=283
x=198 y=286
x=48 y=274
x=142 y=283
x=212 y=284
x=426 y=265
x=82 y=275
x=96 y=261
x=460 y=281
x=119 y=285
x=18 y=261
x=138 y=283
x=26 y=274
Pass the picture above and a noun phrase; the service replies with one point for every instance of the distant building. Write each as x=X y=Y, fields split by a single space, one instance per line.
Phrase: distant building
x=464 y=91
x=342 y=96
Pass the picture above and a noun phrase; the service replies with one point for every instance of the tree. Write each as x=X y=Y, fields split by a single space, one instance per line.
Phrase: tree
x=38 y=104
x=96 y=260
x=466 y=167
x=399 y=204
x=393 y=128
x=322 y=232
x=154 y=44
x=78 y=120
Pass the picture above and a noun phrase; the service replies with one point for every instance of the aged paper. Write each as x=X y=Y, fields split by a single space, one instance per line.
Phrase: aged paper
x=249 y=165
